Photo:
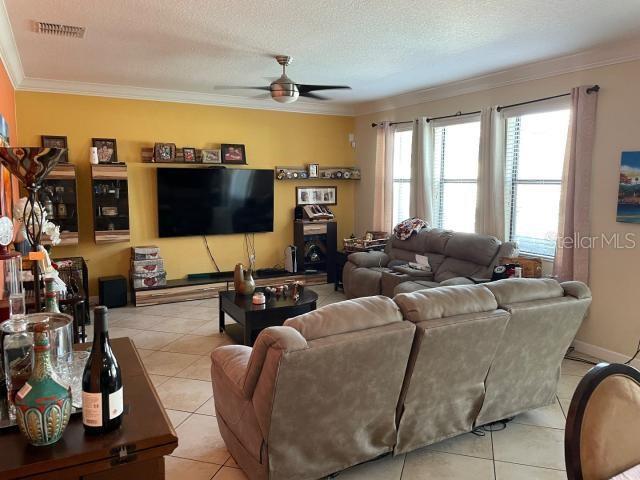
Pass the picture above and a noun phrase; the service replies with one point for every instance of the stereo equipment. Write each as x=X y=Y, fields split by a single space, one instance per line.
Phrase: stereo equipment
x=298 y=213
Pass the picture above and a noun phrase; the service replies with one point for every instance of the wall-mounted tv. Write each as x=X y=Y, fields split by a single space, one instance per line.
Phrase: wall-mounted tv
x=214 y=201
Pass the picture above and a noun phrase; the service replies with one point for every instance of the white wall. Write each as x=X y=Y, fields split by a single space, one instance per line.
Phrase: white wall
x=614 y=320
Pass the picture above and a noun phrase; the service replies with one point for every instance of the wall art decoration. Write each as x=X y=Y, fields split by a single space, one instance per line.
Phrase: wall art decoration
x=56 y=141
x=107 y=150
x=164 y=152
x=211 y=156
x=316 y=195
x=628 y=210
x=233 y=153
x=189 y=155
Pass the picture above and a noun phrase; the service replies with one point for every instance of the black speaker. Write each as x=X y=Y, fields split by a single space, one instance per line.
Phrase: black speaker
x=298 y=213
x=112 y=291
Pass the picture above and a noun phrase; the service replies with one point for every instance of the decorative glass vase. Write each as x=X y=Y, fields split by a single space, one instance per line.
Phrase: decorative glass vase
x=43 y=404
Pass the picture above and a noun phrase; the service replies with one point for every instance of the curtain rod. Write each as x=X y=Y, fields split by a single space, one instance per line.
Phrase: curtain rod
x=592 y=89
x=457 y=114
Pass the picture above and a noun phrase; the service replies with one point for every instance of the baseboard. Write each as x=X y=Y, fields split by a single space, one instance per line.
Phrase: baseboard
x=603 y=354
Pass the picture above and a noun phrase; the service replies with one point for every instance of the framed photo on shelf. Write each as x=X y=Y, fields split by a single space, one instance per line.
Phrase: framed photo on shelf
x=314 y=170
x=56 y=141
x=233 y=154
x=211 y=156
x=163 y=152
x=107 y=149
x=316 y=195
x=189 y=155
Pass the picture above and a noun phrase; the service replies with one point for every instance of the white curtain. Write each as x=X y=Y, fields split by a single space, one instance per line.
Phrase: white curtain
x=383 y=181
x=421 y=194
x=490 y=214
x=572 y=262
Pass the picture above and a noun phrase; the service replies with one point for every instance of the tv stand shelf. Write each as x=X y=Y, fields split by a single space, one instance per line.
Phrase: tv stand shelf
x=202 y=288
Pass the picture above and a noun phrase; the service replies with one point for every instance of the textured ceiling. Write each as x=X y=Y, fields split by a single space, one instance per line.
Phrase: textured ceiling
x=380 y=48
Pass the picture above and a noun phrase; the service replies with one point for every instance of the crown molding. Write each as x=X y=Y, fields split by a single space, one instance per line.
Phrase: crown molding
x=8 y=50
x=141 y=93
x=609 y=54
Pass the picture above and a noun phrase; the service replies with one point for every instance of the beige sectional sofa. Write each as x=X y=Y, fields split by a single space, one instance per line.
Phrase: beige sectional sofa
x=453 y=256
x=360 y=378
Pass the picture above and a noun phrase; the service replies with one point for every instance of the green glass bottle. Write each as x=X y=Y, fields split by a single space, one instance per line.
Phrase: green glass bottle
x=43 y=405
x=51 y=304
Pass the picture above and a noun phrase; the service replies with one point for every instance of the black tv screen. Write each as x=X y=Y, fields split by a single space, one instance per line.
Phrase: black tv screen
x=214 y=201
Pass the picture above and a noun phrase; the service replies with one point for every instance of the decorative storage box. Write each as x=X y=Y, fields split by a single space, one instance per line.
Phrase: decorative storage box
x=146 y=280
x=147 y=252
x=147 y=266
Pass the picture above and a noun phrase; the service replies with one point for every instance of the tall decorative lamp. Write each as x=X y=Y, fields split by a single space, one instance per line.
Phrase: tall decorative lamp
x=31 y=165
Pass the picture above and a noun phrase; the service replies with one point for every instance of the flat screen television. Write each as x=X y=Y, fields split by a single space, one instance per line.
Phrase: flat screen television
x=214 y=201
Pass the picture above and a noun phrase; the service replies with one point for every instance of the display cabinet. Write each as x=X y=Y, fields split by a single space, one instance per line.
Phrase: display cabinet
x=110 y=203
x=59 y=197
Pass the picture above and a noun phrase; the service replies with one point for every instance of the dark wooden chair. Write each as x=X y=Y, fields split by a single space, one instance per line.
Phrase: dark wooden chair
x=602 y=435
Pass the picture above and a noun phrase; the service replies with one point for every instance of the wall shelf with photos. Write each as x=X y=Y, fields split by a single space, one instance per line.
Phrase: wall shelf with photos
x=168 y=153
x=110 y=203
x=323 y=173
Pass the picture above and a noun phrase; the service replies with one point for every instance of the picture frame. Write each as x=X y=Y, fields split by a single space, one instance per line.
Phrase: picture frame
x=107 y=149
x=164 y=152
x=189 y=155
x=313 y=170
x=4 y=132
x=317 y=195
x=233 y=153
x=211 y=156
x=56 y=141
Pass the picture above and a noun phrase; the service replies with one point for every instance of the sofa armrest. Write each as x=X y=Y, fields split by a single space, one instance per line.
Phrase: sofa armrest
x=369 y=259
x=230 y=363
x=576 y=289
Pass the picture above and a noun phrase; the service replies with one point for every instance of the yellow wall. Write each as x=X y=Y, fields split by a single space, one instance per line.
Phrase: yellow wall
x=271 y=138
x=613 y=324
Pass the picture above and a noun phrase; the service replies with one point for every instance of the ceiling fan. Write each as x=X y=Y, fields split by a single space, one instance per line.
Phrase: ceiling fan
x=285 y=90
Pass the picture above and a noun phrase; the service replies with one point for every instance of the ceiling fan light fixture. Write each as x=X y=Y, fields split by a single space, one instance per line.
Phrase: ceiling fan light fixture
x=284 y=90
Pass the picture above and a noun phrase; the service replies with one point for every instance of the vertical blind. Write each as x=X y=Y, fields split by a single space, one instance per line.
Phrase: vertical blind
x=534 y=158
x=456 y=150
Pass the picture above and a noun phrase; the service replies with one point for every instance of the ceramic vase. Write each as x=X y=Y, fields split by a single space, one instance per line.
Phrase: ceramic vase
x=43 y=404
x=243 y=281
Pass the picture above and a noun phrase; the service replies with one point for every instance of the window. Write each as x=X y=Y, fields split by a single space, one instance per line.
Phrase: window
x=535 y=147
x=456 y=149
x=401 y=174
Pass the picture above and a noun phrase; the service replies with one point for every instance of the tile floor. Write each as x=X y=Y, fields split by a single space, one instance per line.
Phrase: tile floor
x=175 y=340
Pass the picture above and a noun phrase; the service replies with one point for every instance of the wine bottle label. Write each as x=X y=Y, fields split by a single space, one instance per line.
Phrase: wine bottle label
x=92 y=409
x=115 y=404
x=26 y=388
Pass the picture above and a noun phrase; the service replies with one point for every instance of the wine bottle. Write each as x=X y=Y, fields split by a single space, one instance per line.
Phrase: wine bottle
x=102 y=405
x=51 y=304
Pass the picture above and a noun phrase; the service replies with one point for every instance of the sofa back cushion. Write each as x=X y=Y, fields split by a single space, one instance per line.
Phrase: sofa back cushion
x=472 y=247
x=443 y=302
x=347 y=316
x=428 y=242
x=457 y=333
x=543 y=323
x=334 y=403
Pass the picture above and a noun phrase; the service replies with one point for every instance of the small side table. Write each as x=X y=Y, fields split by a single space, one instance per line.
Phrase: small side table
x=341 y=260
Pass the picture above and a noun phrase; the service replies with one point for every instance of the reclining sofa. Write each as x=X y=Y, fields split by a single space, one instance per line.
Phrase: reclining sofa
x=360 y=378
x=453 y=256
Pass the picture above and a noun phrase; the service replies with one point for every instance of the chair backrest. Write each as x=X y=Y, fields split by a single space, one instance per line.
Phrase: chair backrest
x=457 y=332
x=545 y=317
x=603 y=425
x=334 y=402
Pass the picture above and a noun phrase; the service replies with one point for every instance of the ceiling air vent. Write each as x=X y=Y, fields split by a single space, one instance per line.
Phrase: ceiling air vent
x=59 y=30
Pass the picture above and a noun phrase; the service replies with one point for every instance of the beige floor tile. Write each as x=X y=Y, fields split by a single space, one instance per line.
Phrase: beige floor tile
x=529 y=445
x=200 y=439
x=211 y=328
x=570 y=367
x=429 y=465
x=184 y=394
x=176 y=416
x=551 y=416
x=387 y=468
x=227 y=473
x=197 y=344
x=144 y=353
x=140 y=321
x=512 y=471
x=567 y=385
x=198 y=370
x=183 y=469
x=168 y=363
x=176 y=324
x=166 y=310
x=208 y=408
x=467 y=444
x=158 y=380
x=155 y=340
x=231 y=462
x=209 y=302
x=200 y=313
x=565 y=403
x=119 y=332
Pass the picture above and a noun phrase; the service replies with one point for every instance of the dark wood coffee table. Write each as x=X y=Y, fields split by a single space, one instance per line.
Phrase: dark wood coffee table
x=254 y=318
x=134 y=451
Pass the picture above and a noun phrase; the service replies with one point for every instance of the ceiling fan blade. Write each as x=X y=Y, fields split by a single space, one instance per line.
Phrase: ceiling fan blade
x=313 y=95
x=262 y=96
x=240 y=87
x=310 y=88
